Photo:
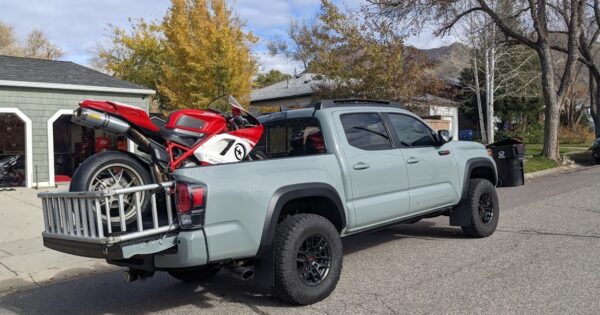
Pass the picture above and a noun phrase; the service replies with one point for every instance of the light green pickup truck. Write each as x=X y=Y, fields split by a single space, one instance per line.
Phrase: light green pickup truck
x=337 y=169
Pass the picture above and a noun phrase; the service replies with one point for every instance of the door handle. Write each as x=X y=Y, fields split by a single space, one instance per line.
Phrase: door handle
x=412 y=160
x=361 y=166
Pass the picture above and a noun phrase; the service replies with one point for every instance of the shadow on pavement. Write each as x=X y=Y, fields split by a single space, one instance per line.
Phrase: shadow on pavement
x=109 y=293
x=423 y=230
x=583 y=158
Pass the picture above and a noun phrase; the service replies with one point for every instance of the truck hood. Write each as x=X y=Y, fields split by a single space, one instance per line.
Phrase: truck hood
x=465 y=145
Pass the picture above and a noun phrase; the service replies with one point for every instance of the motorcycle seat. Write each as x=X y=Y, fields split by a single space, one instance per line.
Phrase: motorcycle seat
x=132 y=114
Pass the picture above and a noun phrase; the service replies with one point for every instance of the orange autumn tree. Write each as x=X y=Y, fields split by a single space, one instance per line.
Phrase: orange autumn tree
x=207 y=54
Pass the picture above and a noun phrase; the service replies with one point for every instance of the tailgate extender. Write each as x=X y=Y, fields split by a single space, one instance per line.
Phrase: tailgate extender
x=85 y=218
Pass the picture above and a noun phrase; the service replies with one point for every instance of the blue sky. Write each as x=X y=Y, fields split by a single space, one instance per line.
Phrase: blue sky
x=78 y=26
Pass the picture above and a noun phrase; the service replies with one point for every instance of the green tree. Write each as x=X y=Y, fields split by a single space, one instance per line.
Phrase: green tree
x=270 y=78
x=357 y=54
x=302 y=44
x=197 y=53
x=136 y=55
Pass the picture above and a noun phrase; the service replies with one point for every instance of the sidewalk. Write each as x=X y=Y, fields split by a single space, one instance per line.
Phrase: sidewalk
x=24 y=261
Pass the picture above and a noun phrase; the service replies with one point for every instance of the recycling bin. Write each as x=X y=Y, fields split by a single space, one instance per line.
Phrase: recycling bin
x=509 y=155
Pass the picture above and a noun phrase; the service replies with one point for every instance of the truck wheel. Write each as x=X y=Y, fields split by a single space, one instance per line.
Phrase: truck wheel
x=483 y=204
x=308 y=259
x=196 y=275
x=596 y=155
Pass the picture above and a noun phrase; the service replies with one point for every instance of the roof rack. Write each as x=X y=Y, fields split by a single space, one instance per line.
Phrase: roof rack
x=355 y=102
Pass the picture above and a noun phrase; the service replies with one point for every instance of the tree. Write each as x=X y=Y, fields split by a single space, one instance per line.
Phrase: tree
x=270 y=78
x=304 y=40
x=39 y=47
x=356 y=55
x=9 y=44
x=207 y=54
x=137 y=55
x=36 y=45
x=588 y=47
x=535 y=34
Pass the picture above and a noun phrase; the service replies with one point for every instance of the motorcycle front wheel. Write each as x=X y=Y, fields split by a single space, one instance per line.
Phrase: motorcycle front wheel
x=111 y=170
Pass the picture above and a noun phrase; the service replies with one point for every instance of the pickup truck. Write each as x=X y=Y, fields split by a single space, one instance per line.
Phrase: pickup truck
x=333 y=170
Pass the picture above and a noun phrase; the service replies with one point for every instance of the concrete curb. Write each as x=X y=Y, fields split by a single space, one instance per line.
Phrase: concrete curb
x=47 y=277
x=556 y=170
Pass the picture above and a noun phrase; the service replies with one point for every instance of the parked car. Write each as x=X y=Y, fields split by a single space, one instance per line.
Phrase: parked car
x=596 y=150
x=338 y=169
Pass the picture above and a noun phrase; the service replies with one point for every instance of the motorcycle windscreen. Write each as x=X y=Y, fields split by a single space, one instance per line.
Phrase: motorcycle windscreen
x=238 y=110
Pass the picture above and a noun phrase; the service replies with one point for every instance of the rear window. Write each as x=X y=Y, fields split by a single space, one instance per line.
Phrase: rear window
x=292 y=137
x=366 y=131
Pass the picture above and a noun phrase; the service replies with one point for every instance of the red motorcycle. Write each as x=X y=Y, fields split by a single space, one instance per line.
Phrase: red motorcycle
x=188 y=138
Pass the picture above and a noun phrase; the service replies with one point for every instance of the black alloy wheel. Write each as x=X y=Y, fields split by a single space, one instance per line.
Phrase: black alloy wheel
x=314 y=260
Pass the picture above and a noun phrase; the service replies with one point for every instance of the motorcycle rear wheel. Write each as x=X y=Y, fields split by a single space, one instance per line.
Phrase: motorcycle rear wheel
x=113 y=170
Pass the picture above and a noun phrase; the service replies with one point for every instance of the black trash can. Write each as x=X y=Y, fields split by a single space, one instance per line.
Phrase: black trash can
x=508 y=155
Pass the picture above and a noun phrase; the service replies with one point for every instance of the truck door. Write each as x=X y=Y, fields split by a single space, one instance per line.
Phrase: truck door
x=378 y=173
x=432 y=170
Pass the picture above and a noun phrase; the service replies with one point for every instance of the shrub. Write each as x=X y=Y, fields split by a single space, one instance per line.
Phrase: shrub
x=581 y=135
x=535 y=134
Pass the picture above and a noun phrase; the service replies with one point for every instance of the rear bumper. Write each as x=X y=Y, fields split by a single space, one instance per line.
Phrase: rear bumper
x=122 y=250
x=184 y=249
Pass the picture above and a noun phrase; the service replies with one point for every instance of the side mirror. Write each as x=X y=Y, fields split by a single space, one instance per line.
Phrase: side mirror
x=444 y=136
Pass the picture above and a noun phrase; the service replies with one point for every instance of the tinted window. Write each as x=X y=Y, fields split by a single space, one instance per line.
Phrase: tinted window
x=366 y=131
x=293 y=137
x=411 y=131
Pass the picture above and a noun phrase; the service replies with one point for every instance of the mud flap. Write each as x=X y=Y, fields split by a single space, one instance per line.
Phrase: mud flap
x=461 y=215
x=263 y=271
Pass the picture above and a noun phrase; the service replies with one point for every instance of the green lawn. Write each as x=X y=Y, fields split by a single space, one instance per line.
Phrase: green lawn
x=534 y=162
x=538 y=163
x=536 y=149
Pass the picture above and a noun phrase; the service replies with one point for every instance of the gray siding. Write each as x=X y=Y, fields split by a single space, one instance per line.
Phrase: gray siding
x=39 y=105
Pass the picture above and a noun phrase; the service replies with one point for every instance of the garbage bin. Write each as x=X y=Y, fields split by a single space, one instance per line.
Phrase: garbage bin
x=466 y=135
x=508 y=155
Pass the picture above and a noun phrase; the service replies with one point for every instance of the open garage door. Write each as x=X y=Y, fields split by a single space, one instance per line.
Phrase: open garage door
x=12 y=151
x=73 y=144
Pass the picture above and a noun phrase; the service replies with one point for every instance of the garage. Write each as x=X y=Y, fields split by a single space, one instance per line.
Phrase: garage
x=12 y=151
x=73 y=144
x=37 y=98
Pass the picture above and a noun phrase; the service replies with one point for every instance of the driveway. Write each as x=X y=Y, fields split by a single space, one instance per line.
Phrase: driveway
x=543 y=259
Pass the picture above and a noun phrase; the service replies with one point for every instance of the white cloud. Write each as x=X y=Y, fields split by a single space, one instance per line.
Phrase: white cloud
x=76 y=26
x=278 y=62
x=427 y=40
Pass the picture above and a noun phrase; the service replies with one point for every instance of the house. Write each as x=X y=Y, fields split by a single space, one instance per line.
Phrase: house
x=37 y=98
x=299 y=91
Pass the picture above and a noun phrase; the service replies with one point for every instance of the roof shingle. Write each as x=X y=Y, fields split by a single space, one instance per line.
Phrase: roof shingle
x=294 y=87
x=57 y=72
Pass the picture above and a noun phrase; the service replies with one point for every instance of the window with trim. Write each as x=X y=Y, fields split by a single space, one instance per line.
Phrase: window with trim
x=366 y=131
x=292 y=137
x=411 y=131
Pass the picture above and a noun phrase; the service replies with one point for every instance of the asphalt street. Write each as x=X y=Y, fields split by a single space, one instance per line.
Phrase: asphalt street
x=544 y=258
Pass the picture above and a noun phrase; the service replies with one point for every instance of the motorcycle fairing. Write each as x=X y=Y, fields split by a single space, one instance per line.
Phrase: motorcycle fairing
x=223 y=148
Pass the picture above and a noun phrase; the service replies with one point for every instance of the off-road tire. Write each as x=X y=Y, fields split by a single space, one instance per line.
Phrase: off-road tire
x=596 y=155
x=290 y=236
x=196 y=275
x=83 y=175
x=478 y=228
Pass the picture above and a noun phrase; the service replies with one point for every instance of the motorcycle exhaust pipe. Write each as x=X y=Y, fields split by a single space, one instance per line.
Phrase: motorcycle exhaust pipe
x=97 y=120
x=240 y=272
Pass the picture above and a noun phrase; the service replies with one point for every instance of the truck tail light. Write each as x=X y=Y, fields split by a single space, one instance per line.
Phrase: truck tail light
x=191 y=204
